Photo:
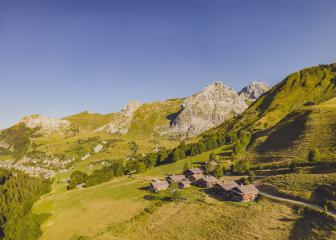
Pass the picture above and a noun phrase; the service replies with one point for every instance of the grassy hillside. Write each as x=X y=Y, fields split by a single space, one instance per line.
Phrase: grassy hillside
x=151 y=117
x=90 y=121
x=19 y=140
x=299 y=132
x=121 y=209
x=296 y=115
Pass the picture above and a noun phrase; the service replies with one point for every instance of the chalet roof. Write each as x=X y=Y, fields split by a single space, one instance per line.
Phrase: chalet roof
x=209 y=179
x=228 y=186
x=246 y=189
x=198 y=176
x=176 y=178
x=160 y=184
x=185 y=182
x=195 y=170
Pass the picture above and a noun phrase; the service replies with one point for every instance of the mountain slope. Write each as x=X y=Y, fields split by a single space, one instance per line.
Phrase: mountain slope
x=285 y=117
x=299 y=132
x=152 y=125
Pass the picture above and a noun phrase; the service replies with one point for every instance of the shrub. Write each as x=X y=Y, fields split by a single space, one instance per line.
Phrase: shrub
x=314 y=155
x=177 y=155
x=241 y=166
x=140 y=167
x=186 y=166
x=219 y=171
x=251 y=176
x=77 y=177
x=213 y=157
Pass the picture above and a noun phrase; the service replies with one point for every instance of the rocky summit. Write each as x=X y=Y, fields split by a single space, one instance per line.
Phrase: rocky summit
x=122 y=120
x=208 y=108
x=45 y=125
x=254 y=90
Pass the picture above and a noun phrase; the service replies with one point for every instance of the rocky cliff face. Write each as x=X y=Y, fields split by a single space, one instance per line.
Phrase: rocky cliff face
x=254 y=90
x=122 y=119
x=45 y=125
x=207 y=109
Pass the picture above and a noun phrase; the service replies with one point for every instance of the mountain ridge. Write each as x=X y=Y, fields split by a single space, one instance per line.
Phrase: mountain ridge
x=155 y=124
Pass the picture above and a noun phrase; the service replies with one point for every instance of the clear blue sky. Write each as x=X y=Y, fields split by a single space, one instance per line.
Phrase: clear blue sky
x=62 y=57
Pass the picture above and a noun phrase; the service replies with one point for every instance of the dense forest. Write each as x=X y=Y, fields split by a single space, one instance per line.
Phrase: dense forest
x=18 y=193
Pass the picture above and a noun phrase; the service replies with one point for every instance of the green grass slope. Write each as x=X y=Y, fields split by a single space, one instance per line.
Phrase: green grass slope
x=152 y=118
x=296 y=115
x=118 y=209
x=90 y=121
x=299 y=132
x=145 y=126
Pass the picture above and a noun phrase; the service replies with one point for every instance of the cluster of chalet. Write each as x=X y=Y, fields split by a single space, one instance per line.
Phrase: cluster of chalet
x=196 y=176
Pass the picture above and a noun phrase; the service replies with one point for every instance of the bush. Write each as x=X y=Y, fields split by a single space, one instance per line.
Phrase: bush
x=140 y=167
x=77 y=177
x=219 y=171
x=177 y=155
x=314 y=155
x=163 y=156
x=213 y=157
x=186 y=166
x=241 y=166
x=251 y=176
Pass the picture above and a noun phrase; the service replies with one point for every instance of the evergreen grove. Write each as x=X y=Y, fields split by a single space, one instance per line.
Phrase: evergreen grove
x=18 y=193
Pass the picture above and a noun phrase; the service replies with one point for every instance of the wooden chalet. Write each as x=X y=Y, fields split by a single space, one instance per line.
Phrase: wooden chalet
x=159 y=186
x=207 y=182
x=194 y=178
x=184 y=184
x=176 y=178
x=193 y=171
x=226 y=187
x=244 y=193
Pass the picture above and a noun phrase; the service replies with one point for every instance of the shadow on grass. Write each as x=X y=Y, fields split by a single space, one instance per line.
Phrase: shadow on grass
x=283 y=134
x=146 y=188
x=313 y=225
x=225 y=154
x=324 y=168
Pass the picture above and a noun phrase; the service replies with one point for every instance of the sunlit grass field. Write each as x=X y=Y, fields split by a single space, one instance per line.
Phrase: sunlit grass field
x=115 y=210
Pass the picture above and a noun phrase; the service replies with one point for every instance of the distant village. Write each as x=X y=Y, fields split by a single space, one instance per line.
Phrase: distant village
x=197 y=177
x=37 y=168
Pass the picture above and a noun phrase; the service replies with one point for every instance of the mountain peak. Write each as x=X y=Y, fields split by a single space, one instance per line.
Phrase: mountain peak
x=217 y=85
x=45 y=124
x=254 y=90
x=130 y=108
x=208 y=108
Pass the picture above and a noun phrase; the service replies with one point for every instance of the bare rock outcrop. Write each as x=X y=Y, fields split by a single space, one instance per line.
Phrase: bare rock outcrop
x=122 y=119
x=207 y=109
x=254 y=90
x=45 y=125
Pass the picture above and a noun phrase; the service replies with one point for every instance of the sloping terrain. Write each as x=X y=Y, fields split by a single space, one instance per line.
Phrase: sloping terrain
x=120 y=209
x=296 y=134
x=296 y=115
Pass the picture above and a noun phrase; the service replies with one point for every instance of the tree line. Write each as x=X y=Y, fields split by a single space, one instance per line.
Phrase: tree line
x=18 y=193
x=137 y=163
